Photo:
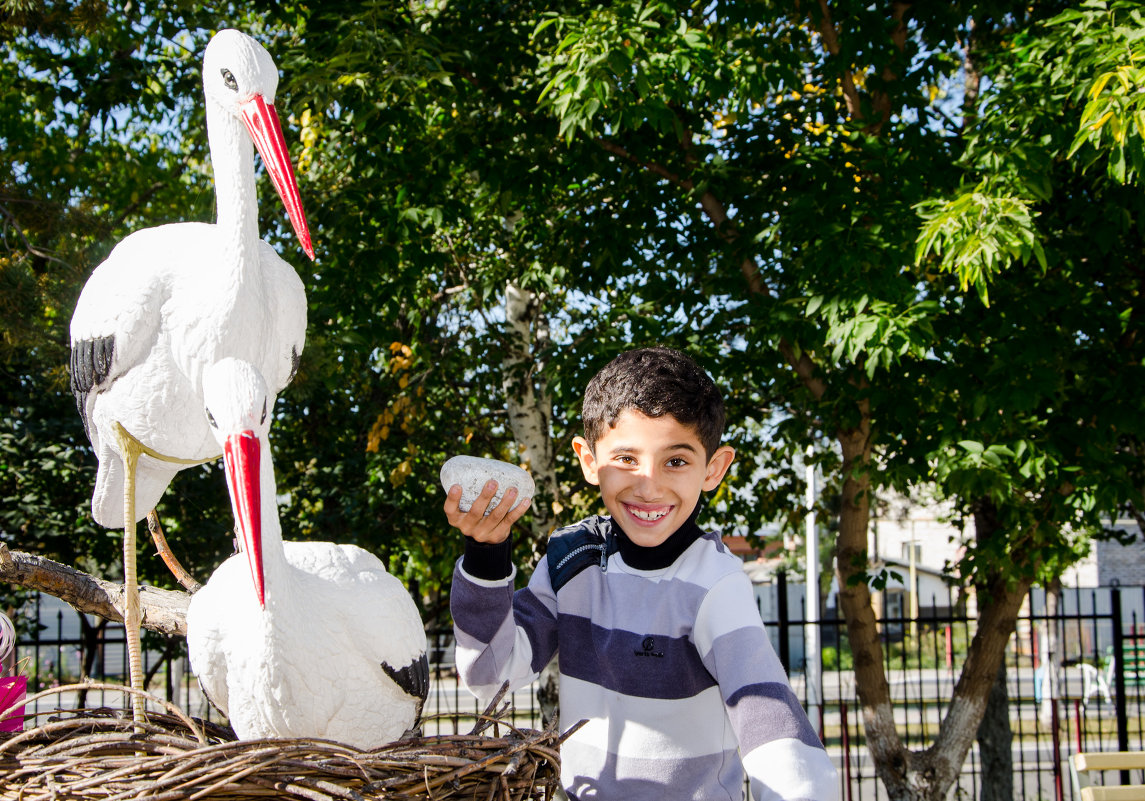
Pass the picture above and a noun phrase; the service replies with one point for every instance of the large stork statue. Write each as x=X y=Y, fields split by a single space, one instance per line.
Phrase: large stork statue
x=172 y=300
x=297 y=639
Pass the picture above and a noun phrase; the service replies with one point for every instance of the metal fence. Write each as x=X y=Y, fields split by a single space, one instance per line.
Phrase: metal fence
x=1093 y=701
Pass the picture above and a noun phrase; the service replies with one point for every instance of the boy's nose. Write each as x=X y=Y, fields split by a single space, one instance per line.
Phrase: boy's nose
x=648 y=484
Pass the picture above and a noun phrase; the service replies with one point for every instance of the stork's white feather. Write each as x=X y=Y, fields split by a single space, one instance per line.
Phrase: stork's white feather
x=315 y=659
x=172 y=300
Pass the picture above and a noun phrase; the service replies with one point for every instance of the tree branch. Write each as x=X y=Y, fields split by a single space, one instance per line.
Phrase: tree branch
x=184 y=578
x=880 y=101
x=831 y=41
x=804 y=368
x=164 y=611
x=713 y=207
x=973 y=80
x=28 y=246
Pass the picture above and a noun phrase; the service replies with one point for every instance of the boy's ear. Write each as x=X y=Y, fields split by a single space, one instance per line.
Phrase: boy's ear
x=588 y=463
x=589 y=466
x=718 y=467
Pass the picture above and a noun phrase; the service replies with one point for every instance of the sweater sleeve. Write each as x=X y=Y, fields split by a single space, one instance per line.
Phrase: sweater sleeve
x=502 y=635
x=782 y=755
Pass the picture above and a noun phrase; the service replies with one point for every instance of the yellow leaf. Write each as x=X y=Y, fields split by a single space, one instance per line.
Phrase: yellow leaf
x=400 y=473
x=1099 y=84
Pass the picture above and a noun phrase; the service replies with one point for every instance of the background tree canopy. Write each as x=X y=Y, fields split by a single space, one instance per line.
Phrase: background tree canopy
x=908 y=234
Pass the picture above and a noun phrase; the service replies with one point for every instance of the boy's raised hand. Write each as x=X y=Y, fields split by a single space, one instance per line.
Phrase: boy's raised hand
x=481 y=523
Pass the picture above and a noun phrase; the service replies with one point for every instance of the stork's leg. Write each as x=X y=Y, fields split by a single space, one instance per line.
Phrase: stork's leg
x=129 y=449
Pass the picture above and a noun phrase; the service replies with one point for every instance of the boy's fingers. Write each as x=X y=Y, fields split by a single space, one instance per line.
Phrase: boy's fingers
x=481 y=502
x=483 y=522
x=495 y=516
x=452 y=501
x=516 y=514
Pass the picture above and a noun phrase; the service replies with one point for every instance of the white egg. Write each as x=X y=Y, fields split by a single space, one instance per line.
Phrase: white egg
x=472 y=472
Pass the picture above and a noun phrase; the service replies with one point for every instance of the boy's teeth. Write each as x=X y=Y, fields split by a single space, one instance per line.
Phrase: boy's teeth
x=647 y=515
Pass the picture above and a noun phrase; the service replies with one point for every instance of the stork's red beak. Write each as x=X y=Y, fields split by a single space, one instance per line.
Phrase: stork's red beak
x=241 y=459
x=262 y=123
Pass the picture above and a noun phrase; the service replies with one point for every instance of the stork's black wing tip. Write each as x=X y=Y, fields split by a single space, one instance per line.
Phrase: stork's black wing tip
x=90 y=365
x=413 y=678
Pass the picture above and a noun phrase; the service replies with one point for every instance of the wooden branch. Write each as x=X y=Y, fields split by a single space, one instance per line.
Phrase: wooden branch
x=805 y=368
x=831 y=42
x=880 y=100
x=712 y=206
x=164 y=611
x=1136 y=514
x=652 y=167
x=184 y=578
x=28 y=246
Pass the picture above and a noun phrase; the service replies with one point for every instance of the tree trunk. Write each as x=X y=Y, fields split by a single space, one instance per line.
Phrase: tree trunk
x=530 y=418
x=529 y=405
x=995 y=743
x=925 y=775
x=890 y=757
x=995 y=737
x=998 y=612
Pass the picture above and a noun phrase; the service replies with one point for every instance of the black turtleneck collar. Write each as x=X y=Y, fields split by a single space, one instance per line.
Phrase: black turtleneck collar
x=660 y=556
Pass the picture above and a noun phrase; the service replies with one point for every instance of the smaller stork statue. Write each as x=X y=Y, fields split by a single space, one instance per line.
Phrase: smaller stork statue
x=297 y=639
x=170 y=301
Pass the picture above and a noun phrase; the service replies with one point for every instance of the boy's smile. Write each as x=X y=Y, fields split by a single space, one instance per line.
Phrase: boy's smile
x=651 y=471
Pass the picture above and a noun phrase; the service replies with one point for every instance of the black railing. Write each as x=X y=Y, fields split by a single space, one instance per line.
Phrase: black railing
x=1097 y=637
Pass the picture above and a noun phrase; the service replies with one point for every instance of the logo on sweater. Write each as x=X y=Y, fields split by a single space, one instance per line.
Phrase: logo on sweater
x=649 y=646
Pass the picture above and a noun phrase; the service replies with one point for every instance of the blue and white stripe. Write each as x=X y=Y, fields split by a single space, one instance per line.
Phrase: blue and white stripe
x=671 y=669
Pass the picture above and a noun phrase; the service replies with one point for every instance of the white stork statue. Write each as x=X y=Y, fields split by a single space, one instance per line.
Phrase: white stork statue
x=297 y=639
x=170 y=301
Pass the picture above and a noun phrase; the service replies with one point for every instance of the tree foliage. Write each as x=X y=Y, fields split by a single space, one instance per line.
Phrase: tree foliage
x=802 y=196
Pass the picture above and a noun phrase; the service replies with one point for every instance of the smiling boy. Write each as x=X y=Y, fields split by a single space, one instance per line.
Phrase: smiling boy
x=661 y=647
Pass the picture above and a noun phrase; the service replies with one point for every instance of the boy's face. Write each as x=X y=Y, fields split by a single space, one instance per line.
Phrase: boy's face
x=651 y=471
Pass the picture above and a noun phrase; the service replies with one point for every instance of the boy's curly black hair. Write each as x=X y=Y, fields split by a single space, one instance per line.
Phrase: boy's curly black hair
x=654 y=381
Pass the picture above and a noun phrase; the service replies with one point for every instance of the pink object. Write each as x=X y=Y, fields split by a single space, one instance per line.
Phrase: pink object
x=13 y=690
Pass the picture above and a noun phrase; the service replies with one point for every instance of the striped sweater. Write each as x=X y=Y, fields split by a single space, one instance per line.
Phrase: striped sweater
x=671 y=668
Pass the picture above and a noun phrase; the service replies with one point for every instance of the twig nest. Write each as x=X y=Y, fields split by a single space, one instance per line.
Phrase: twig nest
x=100 y=754
x=472 y=473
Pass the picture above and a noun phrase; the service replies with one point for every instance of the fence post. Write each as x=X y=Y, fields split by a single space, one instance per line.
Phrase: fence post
x=1055 y=739
x=1119 y=676
x=1119 y=672
x=784 y=626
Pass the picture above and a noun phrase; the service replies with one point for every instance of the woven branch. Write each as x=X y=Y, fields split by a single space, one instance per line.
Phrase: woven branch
x=101 y=754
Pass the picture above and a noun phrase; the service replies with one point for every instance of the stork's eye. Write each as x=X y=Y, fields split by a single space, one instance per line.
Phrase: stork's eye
x=263 y=418
x=229 y=80
x=211 y=419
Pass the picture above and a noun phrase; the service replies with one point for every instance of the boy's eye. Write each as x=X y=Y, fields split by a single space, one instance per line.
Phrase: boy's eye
x=678 y=461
